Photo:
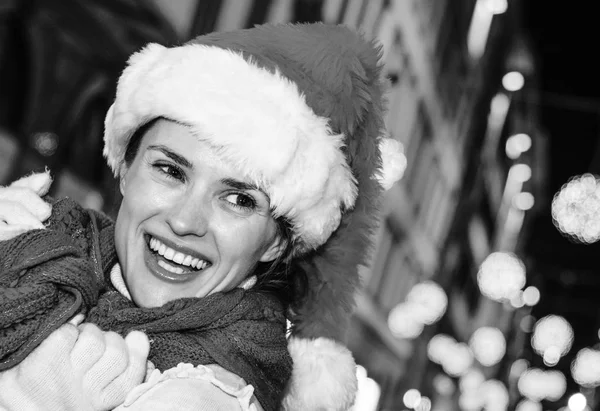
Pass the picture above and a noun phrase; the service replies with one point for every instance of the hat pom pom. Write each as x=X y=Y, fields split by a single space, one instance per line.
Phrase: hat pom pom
x=323 y=378
x=393 y=162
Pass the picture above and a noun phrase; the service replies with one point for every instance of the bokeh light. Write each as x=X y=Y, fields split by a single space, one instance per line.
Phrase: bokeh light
x=552 y=332
x=537 y=384
x=488 y=345
x=495 y=396
x=531 y=296
x=523 y=201
x=521 y=172
x=411 y=398
x=577 y=402
x=586 y=368
x=403 y=322
x=576 y=209
x=551 y=356
x=515 y=146
x=528 y=405
x=425 y=304
x=454 y=357
x=513 y=81
x=501 y=276
x=428 y=301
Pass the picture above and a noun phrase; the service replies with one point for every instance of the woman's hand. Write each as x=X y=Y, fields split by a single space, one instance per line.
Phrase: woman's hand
x=21 y=206
x=76 y=368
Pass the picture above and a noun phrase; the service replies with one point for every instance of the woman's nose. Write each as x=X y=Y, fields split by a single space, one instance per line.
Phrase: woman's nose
x=188 y=216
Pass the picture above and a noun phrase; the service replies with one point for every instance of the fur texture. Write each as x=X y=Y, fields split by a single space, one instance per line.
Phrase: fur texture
x=258 y=120
x=324 y=376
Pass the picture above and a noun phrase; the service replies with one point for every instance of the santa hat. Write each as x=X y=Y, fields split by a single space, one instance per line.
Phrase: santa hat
x=299 y=109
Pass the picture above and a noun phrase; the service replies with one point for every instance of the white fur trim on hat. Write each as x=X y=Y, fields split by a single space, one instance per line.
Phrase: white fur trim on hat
x=393 y=162
x=323 y=377
x=257 y=119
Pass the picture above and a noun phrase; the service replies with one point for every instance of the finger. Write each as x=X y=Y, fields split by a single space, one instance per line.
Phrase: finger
x=77 y=319
x=114 y=362
x=38 y=182
x=88 y=349
x=138 y=348
x=8 y=232
x=28 y=199
x=56 y=347
x=15 y=214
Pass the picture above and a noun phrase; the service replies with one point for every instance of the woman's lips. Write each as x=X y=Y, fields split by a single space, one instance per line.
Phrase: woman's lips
x=151 y=260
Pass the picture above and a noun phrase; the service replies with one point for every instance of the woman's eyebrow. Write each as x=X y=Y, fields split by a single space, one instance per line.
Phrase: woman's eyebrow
x=241 y=185
x=182 y=161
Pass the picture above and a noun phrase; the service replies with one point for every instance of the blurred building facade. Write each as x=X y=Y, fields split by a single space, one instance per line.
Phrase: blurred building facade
x=447 y=106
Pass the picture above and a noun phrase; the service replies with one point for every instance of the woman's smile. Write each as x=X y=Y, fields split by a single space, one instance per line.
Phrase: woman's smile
x=167 y=263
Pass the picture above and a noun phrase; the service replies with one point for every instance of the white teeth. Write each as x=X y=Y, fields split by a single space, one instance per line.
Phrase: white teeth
x=169 y=267
x=177 y=257
x=187 y=261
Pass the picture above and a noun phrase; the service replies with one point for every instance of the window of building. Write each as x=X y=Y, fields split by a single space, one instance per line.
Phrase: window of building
x=391 y=268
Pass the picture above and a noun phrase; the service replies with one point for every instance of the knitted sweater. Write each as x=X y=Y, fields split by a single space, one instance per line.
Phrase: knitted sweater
x=48 y=275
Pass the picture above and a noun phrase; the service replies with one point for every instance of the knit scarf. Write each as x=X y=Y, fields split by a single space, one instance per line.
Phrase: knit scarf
x=47 y=276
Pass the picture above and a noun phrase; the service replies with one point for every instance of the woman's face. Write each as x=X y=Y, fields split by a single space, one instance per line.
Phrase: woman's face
x=189 y=224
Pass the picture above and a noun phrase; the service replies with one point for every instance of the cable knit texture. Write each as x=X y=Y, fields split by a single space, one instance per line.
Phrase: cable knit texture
x=49 y=275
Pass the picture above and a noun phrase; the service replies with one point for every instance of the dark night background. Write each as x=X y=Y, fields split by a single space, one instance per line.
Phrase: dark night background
x=564 y=37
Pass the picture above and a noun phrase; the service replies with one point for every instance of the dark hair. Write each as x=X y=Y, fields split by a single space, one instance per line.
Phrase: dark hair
x=133 y=146
x=282 y=277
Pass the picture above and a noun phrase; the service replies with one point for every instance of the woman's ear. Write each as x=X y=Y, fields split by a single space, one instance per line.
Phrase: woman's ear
x=276 y=248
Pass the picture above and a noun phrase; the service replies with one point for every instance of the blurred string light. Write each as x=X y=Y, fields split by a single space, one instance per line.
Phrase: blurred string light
x=368 y=393
x=577 y=402
x=501 y=276
x=516 y=145
x=488 y=345
x=528 y=405
x=455 y=358
x=576 y=209
x=552 y=332
x=513 y=81
x=481 y=22
x=586 y=368
x=425 y=304
x=538 y=385
x=496 y=6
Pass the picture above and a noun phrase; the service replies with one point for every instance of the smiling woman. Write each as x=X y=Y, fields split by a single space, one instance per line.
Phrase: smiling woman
x=250 y=168
x=182 y=204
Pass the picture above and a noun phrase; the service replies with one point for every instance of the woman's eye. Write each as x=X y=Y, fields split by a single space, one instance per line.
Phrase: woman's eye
x=170 y=171
x=242 y=201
